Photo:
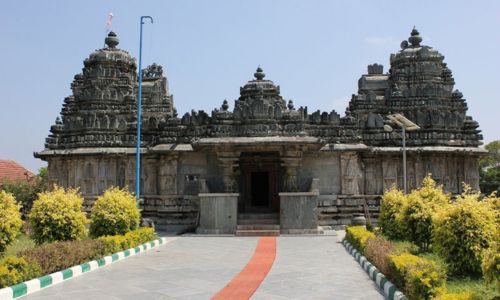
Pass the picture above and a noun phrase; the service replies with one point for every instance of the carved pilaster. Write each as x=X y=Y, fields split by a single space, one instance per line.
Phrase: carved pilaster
x=228 y=162
x=351 y=173
x=291 y=162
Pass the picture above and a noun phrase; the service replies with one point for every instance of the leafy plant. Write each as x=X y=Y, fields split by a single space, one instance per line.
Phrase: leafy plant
x=113 y=213
x=58 y=216
x=393 y=202
x=416 y=214
x=463 y=231
x=14 y=270
x=491 y=265
x=10 y=219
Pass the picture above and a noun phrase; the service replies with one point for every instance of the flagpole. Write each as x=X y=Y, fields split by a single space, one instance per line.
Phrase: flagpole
x=139 y=120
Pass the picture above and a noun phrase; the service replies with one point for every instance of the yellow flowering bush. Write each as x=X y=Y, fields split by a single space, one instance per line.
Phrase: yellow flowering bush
x=17 y=269
x=462 y=232
x=392 y=204
x=115 y=212
x=357 y=237
x=57 y=216
x=416 y=214
x=417 y=277
x=10 y=219
x=491 y=265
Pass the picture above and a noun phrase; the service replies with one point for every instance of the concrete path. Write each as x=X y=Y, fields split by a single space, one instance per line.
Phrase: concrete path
x=197 y=267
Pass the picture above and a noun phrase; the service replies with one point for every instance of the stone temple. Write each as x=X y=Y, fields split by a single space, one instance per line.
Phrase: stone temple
x=263 y=157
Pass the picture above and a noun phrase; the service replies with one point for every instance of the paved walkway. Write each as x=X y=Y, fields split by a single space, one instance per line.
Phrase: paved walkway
x=197 y=267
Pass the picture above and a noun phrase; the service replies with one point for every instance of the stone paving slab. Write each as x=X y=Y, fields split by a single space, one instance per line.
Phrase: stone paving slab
x=315 y=267
x=197 y=267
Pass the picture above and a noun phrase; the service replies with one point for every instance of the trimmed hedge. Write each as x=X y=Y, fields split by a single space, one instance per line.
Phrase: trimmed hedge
x=419 y=278
x=58 y=256
x=377 y=251
x=10 y=219
x=357 y=237
x=131 y=239
x=17 y=269
x=58 y=216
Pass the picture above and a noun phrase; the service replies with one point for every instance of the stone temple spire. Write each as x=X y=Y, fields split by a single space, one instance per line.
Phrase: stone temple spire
x=111 y=40
x=415 y=38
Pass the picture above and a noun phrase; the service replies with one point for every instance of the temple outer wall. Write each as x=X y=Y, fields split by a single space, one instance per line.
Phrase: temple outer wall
x=348 y=177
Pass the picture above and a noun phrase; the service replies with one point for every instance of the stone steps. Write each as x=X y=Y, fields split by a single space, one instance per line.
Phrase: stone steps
x=258 y=224
x=257 y=232
x=258 y=227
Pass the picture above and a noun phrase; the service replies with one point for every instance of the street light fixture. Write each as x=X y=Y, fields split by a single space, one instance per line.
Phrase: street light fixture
x=139 y=120
x=406 y=125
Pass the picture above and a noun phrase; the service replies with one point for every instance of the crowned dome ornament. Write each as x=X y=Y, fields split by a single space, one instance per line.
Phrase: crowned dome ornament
x=415 y=39
x=111 y=40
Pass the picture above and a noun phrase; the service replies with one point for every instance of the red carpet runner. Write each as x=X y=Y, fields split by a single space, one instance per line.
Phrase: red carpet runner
x=249 y=279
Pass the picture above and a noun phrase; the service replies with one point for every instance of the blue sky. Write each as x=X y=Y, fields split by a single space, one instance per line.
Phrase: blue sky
x=315 y=50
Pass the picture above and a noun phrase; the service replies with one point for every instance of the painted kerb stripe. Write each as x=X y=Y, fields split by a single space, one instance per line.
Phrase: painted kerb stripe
x=390 y=290
x=31 y=286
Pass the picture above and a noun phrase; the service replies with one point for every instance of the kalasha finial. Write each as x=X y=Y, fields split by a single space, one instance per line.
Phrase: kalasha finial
x=111 y=40
x=224 y=106
x=415 y=38
x=259 y=74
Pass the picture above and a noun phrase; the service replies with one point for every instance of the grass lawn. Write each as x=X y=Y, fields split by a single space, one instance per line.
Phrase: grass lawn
x=22 y=242
x=476 y=285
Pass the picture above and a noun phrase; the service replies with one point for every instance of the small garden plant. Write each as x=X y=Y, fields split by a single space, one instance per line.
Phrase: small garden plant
x=113 y=213
x=57 y=216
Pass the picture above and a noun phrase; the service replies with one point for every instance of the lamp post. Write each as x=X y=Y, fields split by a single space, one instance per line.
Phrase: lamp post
x=406 y=125
x=139 y=120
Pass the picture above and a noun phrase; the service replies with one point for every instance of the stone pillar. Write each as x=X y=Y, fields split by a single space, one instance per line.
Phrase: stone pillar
x=228 y=162
x=291 y=162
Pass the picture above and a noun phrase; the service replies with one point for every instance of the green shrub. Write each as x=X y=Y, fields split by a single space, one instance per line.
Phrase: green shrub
x=392 y=204
x=117 y=243
x=58 y=216
x=417 y=212
x=491 y=265
x=10 y=219
x=462 y=232
x=62 y=255
x=377 y=251
x=14 y=270
x=417 y=277
x=113 y=213
x=357 y=236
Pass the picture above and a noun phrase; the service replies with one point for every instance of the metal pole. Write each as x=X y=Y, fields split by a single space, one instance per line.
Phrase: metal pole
x=139 y=120
x=404 y=160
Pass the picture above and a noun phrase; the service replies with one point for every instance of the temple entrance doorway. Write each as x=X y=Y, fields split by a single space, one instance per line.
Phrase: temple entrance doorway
x=260 y=189
x=259 y=182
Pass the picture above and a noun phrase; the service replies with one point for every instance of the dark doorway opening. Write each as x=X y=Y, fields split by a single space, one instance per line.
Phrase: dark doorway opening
x=260 y=189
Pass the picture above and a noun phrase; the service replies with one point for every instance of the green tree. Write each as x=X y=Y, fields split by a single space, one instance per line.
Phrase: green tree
x=25 y=191
x=489 y=171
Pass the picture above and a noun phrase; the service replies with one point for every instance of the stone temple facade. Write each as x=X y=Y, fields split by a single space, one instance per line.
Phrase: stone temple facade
x=207 y=170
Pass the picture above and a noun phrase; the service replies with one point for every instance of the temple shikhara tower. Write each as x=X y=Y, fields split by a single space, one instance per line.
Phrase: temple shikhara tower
x=261 y=156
